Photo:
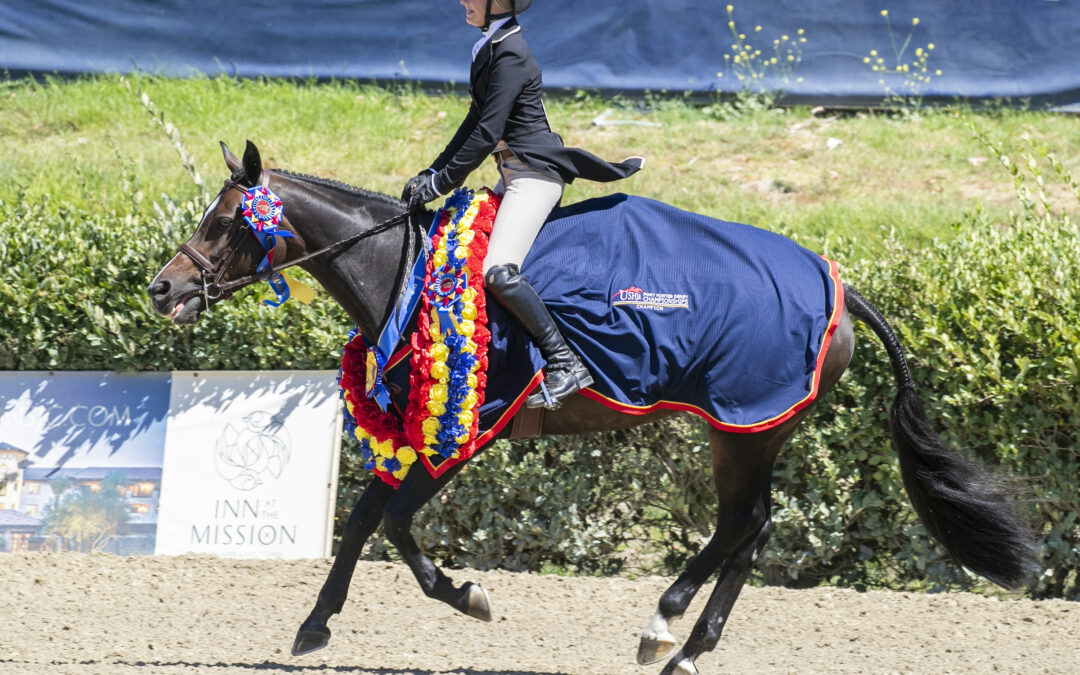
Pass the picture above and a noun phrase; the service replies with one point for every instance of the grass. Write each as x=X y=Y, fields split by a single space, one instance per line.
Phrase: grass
x=89 y=141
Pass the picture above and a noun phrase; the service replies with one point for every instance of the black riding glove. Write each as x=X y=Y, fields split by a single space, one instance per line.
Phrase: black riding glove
x=414 y=184
x=421 y=193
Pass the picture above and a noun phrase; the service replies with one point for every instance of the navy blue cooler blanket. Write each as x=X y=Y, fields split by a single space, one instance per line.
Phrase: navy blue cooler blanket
x=673 y=309
x=668 y=309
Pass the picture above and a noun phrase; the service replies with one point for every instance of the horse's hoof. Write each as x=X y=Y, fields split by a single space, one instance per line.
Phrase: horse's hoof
x=655 y=648
x=478 y=604
x=309 y=640
x=680 y=665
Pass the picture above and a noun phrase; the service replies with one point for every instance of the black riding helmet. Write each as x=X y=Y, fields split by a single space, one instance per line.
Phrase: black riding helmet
x=516 y=7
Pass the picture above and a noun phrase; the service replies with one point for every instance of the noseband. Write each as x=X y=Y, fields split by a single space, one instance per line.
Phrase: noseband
x=212 y=273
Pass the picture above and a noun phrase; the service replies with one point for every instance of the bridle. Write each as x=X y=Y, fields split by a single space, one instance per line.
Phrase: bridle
x=212 y=273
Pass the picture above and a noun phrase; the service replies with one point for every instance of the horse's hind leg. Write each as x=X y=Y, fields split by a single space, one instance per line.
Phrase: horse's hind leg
x=415 y=491
x=754 y=523
x=742 y=470
x=742 y=466
x=365 y=517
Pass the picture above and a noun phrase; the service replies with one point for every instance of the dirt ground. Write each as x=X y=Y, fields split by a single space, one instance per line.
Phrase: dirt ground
x=98 y=614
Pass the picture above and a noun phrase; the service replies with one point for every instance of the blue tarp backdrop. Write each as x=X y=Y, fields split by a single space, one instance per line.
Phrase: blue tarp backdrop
x=984 y=48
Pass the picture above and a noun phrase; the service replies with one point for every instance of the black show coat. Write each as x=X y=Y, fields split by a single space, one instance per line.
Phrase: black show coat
x=505 y=85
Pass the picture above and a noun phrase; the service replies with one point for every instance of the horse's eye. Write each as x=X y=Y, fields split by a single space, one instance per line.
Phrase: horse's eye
x=224 y=222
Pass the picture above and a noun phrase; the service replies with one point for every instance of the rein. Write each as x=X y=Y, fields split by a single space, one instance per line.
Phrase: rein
x=212 y=273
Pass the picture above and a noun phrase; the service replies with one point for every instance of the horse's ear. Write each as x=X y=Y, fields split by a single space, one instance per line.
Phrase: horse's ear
x=252 y=164
x=231 y=160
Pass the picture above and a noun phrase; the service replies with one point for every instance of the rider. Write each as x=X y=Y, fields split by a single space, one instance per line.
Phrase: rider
x=507 y=119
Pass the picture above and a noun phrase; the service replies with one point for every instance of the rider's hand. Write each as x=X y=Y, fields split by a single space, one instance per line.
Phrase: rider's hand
x=414 y=184
x=422 y=193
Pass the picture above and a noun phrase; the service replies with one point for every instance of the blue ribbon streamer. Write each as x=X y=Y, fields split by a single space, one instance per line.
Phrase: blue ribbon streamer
x=395 y=326
x=280 y=287
x=394 y=329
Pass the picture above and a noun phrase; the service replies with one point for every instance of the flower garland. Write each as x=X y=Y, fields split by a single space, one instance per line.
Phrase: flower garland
x=449 y=352
x=449 y=359
x=383 y=446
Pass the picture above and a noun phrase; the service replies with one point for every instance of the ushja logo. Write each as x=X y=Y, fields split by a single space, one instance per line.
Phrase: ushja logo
x=632 y=293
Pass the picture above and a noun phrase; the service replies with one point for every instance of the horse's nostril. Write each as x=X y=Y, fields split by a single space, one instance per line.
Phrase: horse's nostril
x=160 y=287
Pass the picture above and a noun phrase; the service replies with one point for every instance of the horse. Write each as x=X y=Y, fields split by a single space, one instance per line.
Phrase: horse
x=357 y=244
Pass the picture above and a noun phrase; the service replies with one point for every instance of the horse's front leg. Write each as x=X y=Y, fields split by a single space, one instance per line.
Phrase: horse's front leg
x=365 y=517
x=415 y=491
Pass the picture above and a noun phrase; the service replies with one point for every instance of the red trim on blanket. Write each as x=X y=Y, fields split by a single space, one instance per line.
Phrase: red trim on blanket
x=834 y=322
x=488 y=435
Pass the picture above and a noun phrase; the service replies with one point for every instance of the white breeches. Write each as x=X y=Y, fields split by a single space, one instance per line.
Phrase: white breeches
x=528 y=198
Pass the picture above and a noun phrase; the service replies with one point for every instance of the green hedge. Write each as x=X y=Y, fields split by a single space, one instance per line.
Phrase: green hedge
x=74 y=297
x=989 y=320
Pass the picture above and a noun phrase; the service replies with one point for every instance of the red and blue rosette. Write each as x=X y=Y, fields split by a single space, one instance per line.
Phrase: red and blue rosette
x=263 y=211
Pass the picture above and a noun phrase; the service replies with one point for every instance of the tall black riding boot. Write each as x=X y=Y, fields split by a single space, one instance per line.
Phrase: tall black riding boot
x=565 y=373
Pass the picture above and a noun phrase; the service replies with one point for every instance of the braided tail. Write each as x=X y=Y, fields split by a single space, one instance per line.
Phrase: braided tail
x=965 y=508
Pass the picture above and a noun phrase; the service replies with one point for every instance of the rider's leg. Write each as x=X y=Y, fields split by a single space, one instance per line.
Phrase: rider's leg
x=528 y=199
x=564 y=373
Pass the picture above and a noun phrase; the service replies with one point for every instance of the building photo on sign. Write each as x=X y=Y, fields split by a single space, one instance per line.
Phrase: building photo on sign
x=80 y=461
x=239 y=464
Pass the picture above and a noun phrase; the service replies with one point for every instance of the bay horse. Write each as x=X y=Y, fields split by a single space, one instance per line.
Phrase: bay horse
x=356 y=245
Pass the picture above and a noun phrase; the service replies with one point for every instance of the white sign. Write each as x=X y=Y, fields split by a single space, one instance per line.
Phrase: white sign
x=250 y=465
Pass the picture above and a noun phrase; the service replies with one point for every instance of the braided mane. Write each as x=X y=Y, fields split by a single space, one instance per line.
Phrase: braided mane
x=329 y=182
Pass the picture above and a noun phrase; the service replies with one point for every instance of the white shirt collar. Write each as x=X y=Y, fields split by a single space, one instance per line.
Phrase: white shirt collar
x=495 y=25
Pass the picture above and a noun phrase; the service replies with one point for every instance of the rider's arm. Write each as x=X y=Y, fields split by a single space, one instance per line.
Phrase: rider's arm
x=462 y=134
x=507 y=78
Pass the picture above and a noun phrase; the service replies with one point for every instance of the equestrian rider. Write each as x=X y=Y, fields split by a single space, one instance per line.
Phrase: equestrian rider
x=507 y=119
